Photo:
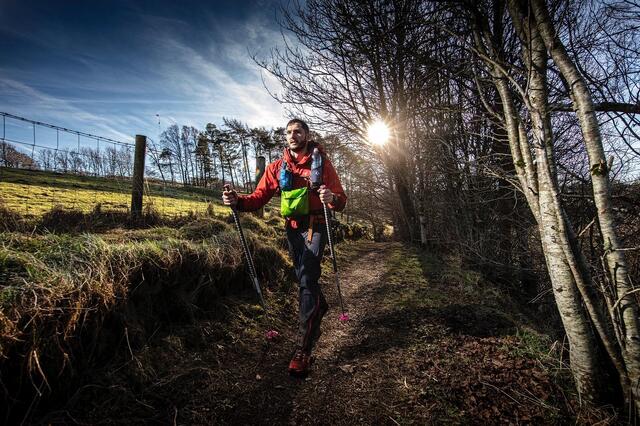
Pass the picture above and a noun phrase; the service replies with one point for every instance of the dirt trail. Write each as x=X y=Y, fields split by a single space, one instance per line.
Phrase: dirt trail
x=336 y=390
x=443 y=359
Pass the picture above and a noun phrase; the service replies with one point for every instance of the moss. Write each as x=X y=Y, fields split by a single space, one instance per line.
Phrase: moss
x=599 y=169
x=404 y=266
x=9 y=295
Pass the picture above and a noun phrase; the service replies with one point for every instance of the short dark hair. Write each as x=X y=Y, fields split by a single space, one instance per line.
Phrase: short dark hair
x=304 y=125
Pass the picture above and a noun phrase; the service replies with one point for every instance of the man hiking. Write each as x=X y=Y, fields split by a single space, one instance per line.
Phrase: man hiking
x=305 y=226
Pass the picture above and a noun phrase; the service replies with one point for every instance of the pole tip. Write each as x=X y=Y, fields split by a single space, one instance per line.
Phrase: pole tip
x=344 y=317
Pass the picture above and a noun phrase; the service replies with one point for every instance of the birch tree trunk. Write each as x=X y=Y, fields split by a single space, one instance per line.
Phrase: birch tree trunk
x=584 y=359
x=540 y=175
x=614 y=258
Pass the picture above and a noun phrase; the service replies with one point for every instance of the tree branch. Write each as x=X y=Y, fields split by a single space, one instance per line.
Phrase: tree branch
x=602 y=107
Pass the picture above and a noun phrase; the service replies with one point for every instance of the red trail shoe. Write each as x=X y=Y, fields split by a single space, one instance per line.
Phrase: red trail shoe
x=300 y=363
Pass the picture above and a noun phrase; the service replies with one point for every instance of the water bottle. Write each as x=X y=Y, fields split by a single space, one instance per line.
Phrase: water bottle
x=316 y=168
x=286 y=177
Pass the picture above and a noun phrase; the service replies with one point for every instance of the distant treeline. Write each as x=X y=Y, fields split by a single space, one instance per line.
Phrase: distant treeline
x=194 y=157
x=183 y=154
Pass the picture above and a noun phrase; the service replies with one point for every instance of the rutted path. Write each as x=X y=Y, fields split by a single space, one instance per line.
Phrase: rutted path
x=414 y=352
x=338 y=376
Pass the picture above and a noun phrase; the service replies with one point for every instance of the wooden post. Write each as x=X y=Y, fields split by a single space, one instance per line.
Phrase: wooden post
x=260 y=168
x=137 y=181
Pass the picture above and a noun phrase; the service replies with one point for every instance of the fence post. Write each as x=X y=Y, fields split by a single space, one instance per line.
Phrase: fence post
x=260 y=168
x=137 y=181
x=4 y=141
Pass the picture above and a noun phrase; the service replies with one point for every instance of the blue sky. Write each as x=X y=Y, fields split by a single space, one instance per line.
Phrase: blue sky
x=108 y=67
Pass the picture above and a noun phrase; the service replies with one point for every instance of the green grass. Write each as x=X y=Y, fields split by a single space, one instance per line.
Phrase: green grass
x=404 y=265
x=531 y=344
x=31 y=193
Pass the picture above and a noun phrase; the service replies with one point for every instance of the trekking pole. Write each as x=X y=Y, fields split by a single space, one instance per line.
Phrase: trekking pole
x=250 y=265
x=316 y=182
x=343 y=316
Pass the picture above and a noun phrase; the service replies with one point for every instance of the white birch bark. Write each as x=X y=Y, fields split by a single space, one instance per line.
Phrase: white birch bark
x=540 y=175
x=614 y=258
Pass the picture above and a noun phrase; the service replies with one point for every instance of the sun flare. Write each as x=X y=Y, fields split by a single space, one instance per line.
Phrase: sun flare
x=378 y=133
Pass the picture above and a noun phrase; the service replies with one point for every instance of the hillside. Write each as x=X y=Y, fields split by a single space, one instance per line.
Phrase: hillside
x=32 y=193
x=425 y=346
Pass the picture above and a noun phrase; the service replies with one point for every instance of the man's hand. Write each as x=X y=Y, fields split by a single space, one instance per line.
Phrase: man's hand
x=229 y=197
x=326 y=196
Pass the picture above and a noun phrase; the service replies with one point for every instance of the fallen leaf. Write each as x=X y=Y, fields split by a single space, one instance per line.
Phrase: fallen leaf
x=347 y=368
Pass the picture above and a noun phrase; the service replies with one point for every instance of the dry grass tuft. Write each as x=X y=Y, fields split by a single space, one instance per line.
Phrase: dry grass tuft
x=204 y=228
x=9 y=219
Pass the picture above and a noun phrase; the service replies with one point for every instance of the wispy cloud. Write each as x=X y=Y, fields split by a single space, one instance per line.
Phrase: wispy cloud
x=189 y=71
x=23 y=98
x=203 y=80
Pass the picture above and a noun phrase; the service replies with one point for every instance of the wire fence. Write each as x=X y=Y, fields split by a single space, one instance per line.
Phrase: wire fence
x=44 y=166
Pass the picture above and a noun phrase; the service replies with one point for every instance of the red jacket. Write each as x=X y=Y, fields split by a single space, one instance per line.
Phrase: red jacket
x=301 y=169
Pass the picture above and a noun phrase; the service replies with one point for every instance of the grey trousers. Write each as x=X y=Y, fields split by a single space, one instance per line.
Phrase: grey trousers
x=306 y=256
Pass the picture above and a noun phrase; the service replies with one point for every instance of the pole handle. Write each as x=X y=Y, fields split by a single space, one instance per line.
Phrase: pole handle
x=227 y=187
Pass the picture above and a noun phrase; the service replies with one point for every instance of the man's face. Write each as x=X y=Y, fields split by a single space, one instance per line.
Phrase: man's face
x=296 y=137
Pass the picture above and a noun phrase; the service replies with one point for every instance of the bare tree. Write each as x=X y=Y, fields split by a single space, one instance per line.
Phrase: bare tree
x=188 y=140
x=155 y=153
x=625 y=314
x=46 y=159
x=526 y=113
x=93 y=160
x=240 y=132
x=172 y=151
x=110 y=161
x=125 y=161
x=357 y=63
x=62 y=160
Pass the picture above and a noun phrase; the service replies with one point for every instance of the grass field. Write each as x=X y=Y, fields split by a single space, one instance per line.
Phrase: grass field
x=31 y=193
